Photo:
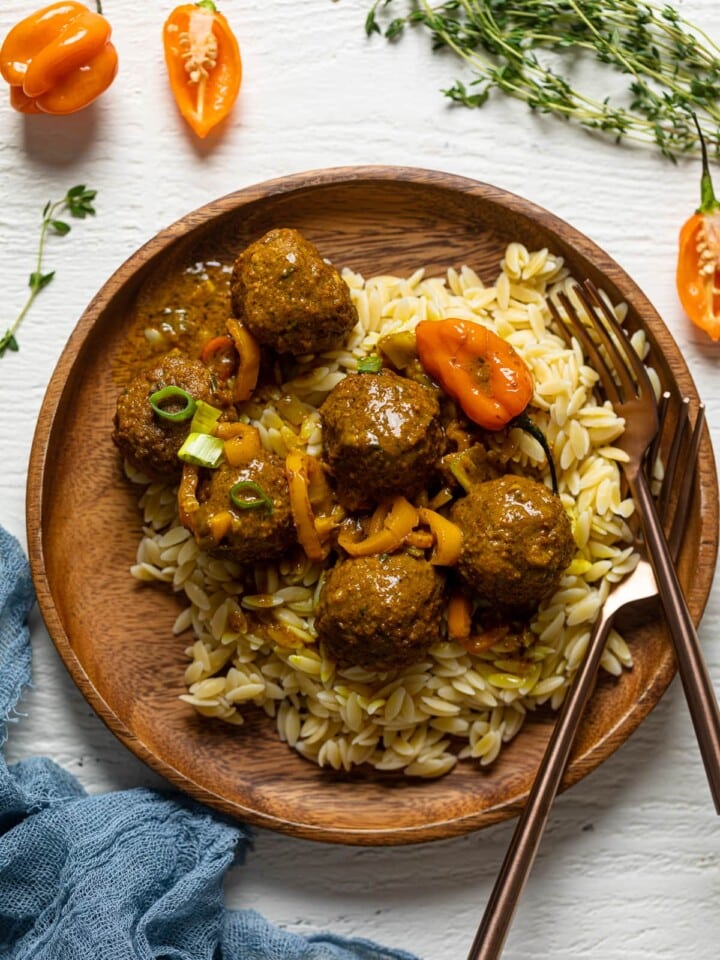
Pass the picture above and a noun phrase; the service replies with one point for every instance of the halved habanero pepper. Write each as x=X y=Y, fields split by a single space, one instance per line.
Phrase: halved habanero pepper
x=203 y=62
x=477 y=368
x=698 y=266
x=488 y=378
x=59 y=59
x=220 y=355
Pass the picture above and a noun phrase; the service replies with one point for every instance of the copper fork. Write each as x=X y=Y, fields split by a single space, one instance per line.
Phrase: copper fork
x=625 y=382
x=638 y=586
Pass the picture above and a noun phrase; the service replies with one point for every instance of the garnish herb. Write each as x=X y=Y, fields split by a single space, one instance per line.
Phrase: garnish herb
x=171 y=395
x=672 y=66
x=370 y=364
x=205 y=417
x=241 y=496
x=78 y=202
x=202 y=450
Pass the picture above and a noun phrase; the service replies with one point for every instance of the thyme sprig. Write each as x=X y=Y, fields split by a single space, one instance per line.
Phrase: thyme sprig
x=78 y=202
x=673 y=67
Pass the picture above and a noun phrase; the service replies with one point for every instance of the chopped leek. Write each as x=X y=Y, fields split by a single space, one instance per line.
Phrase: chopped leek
x=172 y=393
x=205 y=418
x=370 y=364
x=261 y=498
x=202 y=450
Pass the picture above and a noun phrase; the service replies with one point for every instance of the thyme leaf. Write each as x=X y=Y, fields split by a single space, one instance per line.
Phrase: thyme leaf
x=672 y=67
x=78 y=202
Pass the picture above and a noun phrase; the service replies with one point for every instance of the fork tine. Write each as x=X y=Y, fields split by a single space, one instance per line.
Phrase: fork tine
x=685 y=493
x=613 y=338
x=673 y=456
x=619 y=346
x=571 y=326
x=652 y=454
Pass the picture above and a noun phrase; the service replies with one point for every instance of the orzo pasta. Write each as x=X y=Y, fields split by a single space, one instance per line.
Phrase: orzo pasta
x=453 y=704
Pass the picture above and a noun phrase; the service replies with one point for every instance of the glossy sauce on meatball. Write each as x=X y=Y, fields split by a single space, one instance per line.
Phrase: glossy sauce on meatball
x=260 y=533
x=380 y=612
x=288 y=297
x=382 y=436
x=517 y=541
x=150 y=443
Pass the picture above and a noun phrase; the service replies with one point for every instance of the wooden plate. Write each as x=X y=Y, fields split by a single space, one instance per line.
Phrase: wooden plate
x=83 y=525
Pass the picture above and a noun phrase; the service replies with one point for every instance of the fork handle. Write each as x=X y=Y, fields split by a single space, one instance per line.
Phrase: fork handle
x=520 y=856
x=696 y=681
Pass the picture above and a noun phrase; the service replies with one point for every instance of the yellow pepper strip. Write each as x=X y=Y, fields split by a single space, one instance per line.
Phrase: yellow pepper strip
x=421 y=539
x=187 y=495
x=480 y=642
x=399 y=522
x=220 y=524
x=248 y=370
x=298 y=468
x=377 y=520
x=242 y=442
x=459 y=617
x=226 y=429
x=448 y=538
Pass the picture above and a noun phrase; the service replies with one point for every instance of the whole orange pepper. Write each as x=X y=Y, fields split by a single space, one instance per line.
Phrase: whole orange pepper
x=59 y=59
x=698 y=266
x=477 y=368
x=203 y=62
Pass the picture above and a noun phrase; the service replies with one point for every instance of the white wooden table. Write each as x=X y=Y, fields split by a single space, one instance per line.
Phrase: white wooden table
x=630 y=866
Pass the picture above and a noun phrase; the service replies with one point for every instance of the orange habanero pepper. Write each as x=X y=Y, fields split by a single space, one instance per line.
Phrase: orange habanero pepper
x=59 y=59
x=698 y=267
x=203 y=63
x=477 y=368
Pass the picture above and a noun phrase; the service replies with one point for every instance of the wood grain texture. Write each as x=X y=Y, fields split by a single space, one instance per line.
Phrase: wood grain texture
x=115 y=635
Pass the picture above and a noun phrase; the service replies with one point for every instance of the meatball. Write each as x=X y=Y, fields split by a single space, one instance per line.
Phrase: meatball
x=245 y=534
x=380 y=612
x=382 y=436
x=288 y=297
x=148 y=442
x=517 y=541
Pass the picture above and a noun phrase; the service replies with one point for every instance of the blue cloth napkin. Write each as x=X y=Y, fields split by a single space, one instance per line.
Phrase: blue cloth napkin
x=131 y=875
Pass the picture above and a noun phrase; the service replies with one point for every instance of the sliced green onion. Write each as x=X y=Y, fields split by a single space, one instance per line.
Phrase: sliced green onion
x=202 y=450
x=261 y=498
x=171 y=393
x=371 y=364
x=205 y=418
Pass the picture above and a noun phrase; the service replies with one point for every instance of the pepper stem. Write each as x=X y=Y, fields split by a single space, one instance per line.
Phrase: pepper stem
x=708 y=200
x=524 y=422
x=207 y=5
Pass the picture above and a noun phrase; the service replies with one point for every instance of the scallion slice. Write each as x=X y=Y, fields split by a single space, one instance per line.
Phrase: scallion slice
x=205 y=418
x=202 y=450
x=371 y=364
x=261 y=499
x=172 y=394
